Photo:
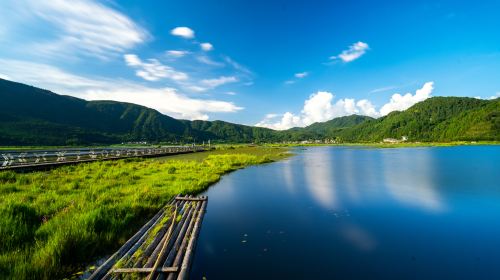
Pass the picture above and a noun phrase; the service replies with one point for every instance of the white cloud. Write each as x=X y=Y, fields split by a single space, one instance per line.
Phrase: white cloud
x=497 y=95
x=5 y=77
x=83 y=27
x=238 y=66
x=196 y=88
x=206 y=46
x=320 y=107
x=212 y=83
x=207 y=84
x=47 y=77
x=231 y=93
x=367 y=108
x=301 y=75
x=354 y=52
x=382 y=89
x=183 y=31
x=208 y=61
x=166 y=100
x=400 y=102
x=176 y=53
x=153 y=70
x=288 y=120
x=272 y=116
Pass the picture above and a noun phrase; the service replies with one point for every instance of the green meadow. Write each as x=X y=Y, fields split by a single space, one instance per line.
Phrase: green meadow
x=53 y=223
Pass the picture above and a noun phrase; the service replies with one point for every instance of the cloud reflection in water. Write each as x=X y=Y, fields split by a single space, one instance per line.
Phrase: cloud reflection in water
x=320 y=179
x=409 y=178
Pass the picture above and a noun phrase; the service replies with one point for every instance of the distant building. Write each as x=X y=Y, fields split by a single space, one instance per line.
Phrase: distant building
x=393 y=140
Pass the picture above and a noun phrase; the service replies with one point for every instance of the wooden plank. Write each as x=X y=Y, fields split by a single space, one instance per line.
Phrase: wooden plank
x=185 y=240
x=162 y=251
x=101 y=271
x=150 y=250
x=152 y=256
x=186 y=263
x=201 y=198
x=174 y=248
x=145 y=270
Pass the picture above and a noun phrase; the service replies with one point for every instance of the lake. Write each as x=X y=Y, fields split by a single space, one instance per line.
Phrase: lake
x=357 y=213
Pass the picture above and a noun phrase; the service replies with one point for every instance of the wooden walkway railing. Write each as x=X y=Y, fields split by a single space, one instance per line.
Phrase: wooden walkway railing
x=40 y=159
x=163 y=248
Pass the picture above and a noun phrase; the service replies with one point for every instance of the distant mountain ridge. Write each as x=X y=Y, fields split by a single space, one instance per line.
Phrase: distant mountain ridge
x=435 y=119
x=33 y=116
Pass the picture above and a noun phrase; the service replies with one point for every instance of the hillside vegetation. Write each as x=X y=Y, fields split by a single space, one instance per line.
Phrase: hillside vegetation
x=33 y=116
x=435 y=119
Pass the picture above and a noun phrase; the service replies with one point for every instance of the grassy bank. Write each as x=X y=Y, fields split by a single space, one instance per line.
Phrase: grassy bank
x=52 y=223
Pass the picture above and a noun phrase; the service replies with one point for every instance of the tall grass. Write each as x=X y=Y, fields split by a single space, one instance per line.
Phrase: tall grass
x=52 y=223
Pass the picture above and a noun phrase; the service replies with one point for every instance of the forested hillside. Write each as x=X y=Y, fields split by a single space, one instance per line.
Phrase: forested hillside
x=435 y=119
x=33 y=116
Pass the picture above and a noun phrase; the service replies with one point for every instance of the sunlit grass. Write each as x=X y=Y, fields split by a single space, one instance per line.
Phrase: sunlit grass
x=52 y=223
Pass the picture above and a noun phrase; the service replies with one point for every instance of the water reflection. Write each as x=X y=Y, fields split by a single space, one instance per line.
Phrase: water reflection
x=400 y=179
x=356 y=213
x=358 y=237
x=288 y=176
x=351 y=173
x=320 y=179
x=343 y=178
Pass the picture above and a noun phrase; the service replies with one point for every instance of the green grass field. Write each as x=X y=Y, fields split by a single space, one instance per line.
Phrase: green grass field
x=53 y=223
x=225 y=150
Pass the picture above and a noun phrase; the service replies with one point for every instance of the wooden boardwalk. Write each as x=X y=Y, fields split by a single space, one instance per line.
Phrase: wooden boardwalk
x=46 y=159
x=163 y=248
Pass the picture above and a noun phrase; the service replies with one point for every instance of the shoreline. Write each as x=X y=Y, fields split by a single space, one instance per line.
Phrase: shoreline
x=393 y=145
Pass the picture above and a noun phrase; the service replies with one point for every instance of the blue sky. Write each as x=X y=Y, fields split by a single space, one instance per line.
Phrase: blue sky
x=273 y=63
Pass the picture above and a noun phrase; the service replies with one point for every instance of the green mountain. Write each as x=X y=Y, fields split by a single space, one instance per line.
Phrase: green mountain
x=33 y=116
x=39 y=117
x=321 y=130
x=338 y=123
x=435 y=119
x=233 y=133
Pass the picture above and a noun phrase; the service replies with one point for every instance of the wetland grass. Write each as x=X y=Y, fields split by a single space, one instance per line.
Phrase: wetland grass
x=53 y=223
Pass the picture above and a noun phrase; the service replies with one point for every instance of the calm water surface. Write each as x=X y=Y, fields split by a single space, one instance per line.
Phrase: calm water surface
x=357 y=213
